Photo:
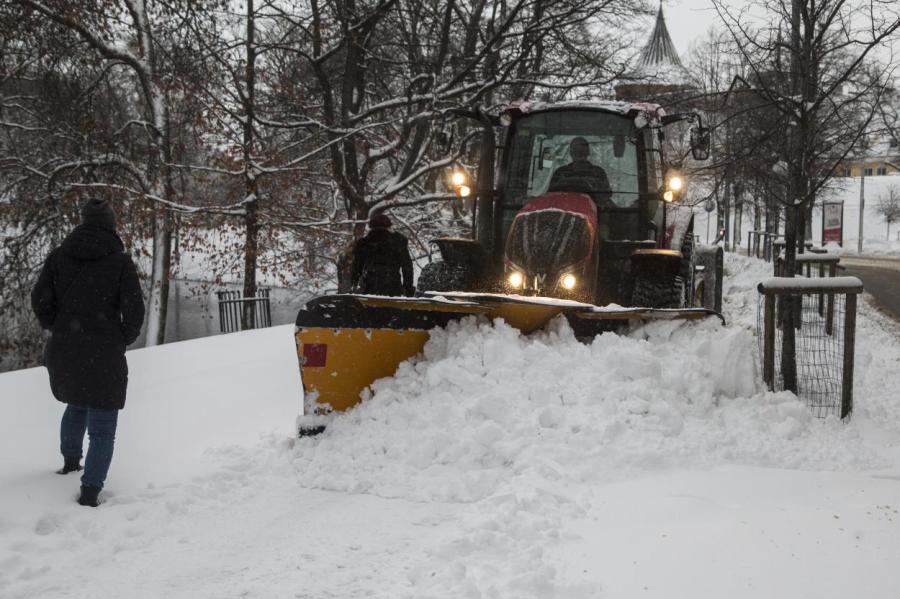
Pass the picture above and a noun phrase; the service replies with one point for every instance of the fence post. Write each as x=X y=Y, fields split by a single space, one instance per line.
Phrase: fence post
x=849 y=352
x=769 y=342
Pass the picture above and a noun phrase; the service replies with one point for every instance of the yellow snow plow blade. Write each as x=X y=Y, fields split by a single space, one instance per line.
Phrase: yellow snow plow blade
x=351 y=359
x=347 y=342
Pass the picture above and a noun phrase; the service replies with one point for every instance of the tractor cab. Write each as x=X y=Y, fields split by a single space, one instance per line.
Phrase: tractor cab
x=601 y=152
x=538 y=157
x=558 y=163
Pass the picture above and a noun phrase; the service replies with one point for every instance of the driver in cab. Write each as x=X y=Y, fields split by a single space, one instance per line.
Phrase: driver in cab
x=582 y=176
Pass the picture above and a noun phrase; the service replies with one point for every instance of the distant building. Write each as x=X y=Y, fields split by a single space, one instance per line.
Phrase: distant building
x=659 y=75
x=882 y=157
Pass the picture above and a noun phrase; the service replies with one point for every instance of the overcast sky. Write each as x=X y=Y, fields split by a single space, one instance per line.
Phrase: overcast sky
x=690 y=19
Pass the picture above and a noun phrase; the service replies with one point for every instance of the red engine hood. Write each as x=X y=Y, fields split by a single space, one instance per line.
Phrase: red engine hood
x=566 y=201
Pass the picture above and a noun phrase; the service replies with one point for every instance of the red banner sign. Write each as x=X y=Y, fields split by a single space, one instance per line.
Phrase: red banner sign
x=833 y=223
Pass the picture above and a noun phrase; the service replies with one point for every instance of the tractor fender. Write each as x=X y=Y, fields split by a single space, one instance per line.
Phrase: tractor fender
x=680 y=223
x=656 y=260
x=464 y=266
x=710 y=264
x=457 y=250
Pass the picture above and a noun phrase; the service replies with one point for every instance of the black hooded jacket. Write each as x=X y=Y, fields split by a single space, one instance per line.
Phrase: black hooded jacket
x=89 y=296
x=379 y=260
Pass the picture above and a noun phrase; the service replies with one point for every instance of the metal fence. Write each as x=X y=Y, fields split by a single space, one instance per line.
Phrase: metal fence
x=759 y=244
x=813 y=264
x=231 y=307
x=825 y=333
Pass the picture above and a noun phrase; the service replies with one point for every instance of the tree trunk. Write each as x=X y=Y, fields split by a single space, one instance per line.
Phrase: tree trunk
x=251 y=251
x=159 y=278
x=726 y=200
x=162 y=233
x=808 y=218
x=251 y=216
x=789 y=346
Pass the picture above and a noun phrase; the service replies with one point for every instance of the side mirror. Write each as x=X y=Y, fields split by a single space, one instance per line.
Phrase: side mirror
x=619 y=146
x=700 y=141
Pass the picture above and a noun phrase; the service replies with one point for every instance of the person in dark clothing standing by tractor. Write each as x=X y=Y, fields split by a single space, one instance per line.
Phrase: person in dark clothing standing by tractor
x=89 y=297
x=379 y=260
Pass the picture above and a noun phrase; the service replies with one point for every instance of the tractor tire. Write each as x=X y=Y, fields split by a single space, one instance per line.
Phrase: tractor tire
x=655 y=290
x=441 y=276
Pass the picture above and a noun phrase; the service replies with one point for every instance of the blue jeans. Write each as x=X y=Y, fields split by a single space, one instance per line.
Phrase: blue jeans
x=101 y=429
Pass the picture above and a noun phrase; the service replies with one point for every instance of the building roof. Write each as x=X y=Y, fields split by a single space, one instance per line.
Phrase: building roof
x=658 y=62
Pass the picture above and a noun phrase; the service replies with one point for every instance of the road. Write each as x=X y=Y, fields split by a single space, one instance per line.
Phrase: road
x=881 y=277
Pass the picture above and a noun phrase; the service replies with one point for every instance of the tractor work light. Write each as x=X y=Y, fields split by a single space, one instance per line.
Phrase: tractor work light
x=675 y=183
x=568 y=281
x=458 y=178
x=516 y=279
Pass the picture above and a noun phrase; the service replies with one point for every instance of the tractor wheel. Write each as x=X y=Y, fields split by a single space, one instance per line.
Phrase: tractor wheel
x=441 y=276
x=657 y=290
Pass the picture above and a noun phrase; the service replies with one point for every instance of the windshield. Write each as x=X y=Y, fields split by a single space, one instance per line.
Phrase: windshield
x=573 y=150
x=586 y=151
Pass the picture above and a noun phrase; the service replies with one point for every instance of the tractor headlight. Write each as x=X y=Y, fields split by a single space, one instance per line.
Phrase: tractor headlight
x=669 y=196
x=459 y=182
x=515 y=279
x=568 y=281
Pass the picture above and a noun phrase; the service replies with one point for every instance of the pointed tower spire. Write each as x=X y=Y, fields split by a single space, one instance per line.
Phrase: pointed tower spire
x=659 y=49
x=659 y=73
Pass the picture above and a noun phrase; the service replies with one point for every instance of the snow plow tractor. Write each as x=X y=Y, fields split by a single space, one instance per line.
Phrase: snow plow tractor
x=581 y=219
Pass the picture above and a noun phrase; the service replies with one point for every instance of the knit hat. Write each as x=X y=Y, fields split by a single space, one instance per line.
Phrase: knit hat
x=380 y=221
x=98 y=212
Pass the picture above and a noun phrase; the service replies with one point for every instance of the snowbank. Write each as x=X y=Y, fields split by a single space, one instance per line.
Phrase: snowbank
x=488 y=406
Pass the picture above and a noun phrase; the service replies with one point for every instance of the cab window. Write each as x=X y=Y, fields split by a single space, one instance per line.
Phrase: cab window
x=539 y=145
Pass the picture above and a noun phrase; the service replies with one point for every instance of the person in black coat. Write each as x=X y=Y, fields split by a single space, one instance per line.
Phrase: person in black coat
x=89 y=297
x=381 y=261
x=581 y=175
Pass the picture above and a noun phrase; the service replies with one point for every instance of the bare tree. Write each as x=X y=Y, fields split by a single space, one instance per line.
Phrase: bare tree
x=888 y=206
x=278 y=118
x=812 y=64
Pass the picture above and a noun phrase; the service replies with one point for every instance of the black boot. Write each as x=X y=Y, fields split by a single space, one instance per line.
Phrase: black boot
x=89 y=496
x=71 y=464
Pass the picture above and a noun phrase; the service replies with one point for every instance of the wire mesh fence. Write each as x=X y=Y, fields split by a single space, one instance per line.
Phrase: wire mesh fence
x=824 y=335
x=820 y=351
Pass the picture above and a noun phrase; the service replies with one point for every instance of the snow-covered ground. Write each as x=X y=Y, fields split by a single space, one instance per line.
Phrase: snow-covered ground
x=496 y=465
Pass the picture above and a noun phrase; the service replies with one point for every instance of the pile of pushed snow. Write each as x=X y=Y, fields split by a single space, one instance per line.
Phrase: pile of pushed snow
x=484 y=407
